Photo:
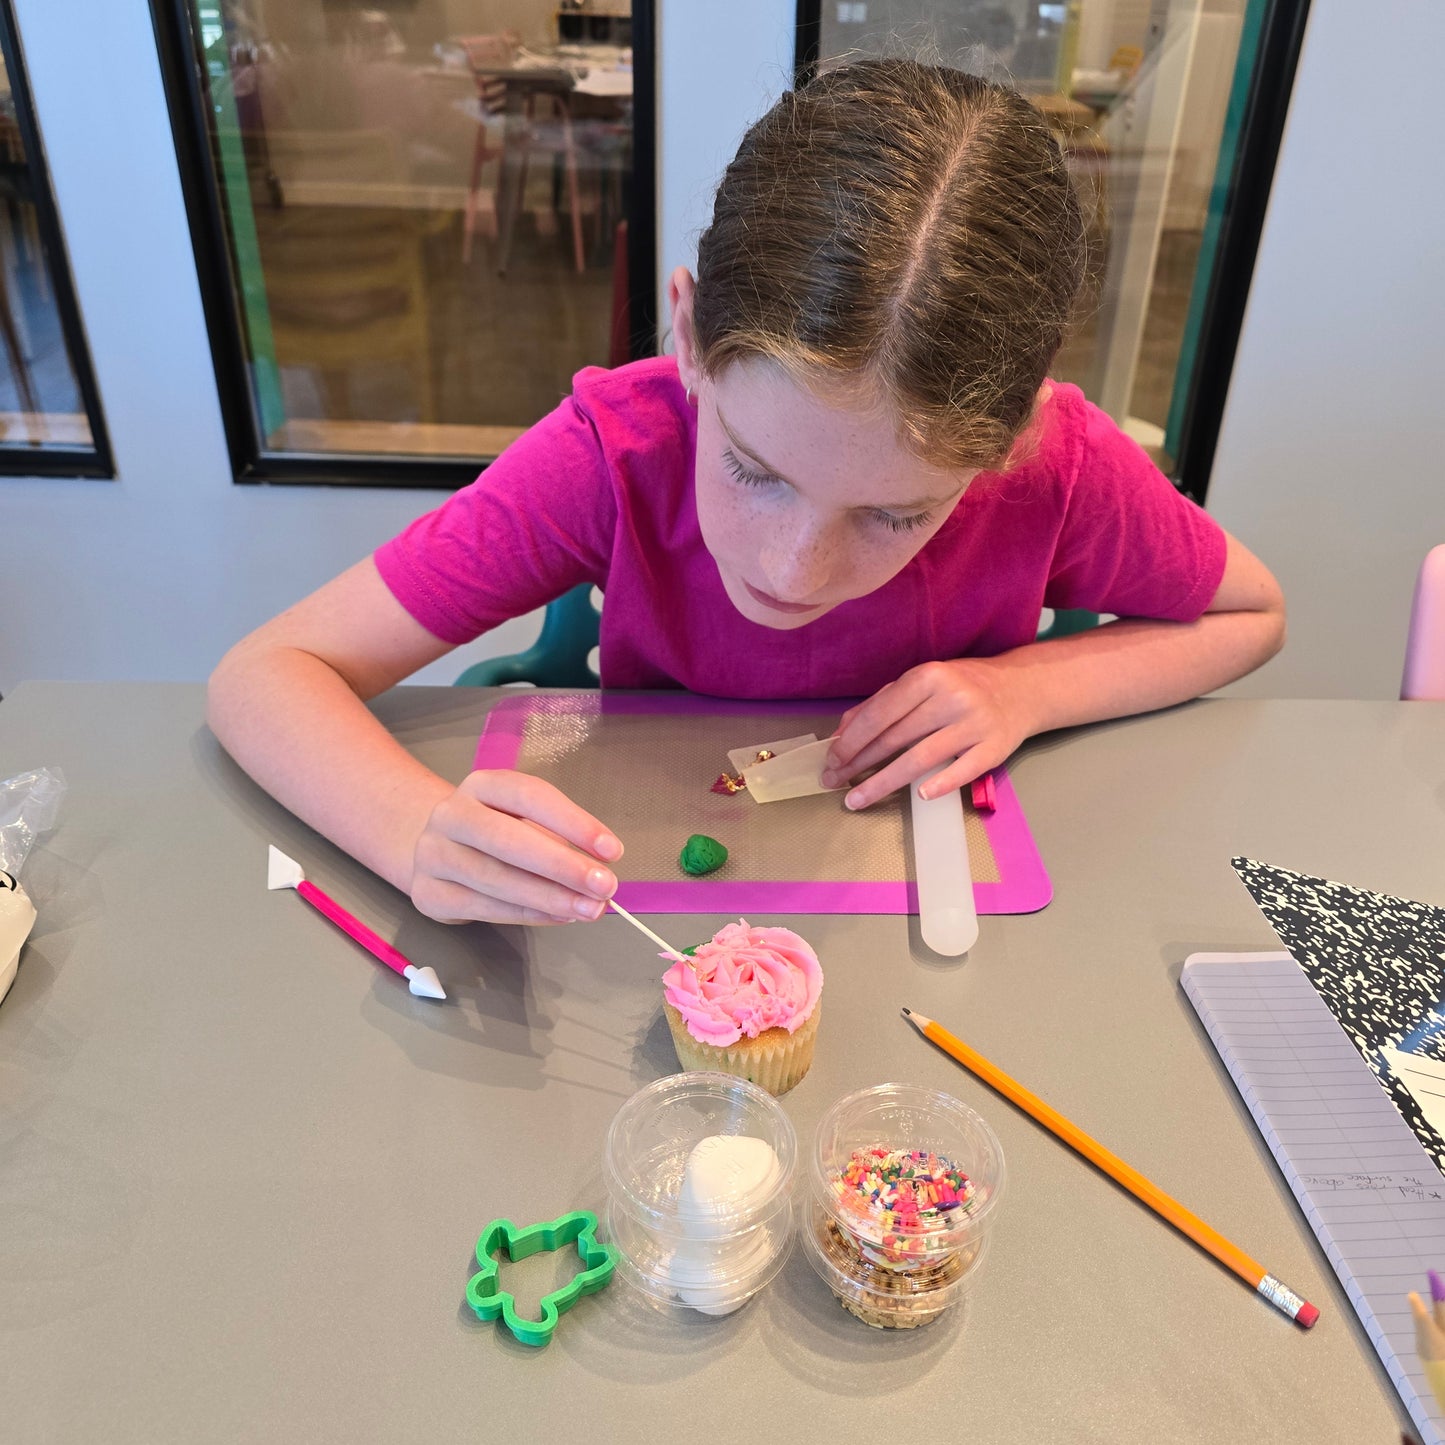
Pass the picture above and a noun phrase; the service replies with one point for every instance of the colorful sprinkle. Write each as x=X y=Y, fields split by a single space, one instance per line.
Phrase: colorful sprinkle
x=901 y=1196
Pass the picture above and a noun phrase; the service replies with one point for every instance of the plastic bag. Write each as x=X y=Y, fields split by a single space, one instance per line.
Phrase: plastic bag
x=29 y=803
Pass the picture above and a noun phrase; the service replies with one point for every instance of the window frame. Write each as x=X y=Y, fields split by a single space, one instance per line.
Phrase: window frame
x=1266 y=105
x=183 y=75
x=95 y=462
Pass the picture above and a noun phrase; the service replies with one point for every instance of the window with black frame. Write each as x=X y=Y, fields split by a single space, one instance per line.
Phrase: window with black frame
x=414 y=221
x=50 y=421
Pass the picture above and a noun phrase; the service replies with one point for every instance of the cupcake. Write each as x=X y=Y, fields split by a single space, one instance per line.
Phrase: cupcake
x=746 y=1004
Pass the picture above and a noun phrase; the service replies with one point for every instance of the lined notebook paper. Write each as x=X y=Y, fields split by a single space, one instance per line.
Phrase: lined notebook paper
x=1370 y=1192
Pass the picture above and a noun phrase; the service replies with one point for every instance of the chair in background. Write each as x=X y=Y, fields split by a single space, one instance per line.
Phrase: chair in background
x=532 y=108
x=1066 y=622
x=487 y=55
x=559 y=656
x=1424 y=675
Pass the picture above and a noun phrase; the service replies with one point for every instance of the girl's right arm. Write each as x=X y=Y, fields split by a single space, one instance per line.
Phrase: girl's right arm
x=289 y=704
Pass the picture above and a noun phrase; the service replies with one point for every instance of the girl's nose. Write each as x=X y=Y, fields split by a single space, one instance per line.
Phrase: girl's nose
x=798 y=565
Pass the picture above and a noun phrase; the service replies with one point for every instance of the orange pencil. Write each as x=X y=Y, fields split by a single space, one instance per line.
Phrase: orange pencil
x=1299 y=1310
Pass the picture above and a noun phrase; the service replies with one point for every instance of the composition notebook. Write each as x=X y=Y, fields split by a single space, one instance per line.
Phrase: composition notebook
x=1374 y=1198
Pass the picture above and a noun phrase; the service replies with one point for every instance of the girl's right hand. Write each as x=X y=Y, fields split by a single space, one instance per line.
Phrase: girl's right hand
x=504 y=848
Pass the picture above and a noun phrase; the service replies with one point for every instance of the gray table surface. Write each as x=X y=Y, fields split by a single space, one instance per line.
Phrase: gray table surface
x=242 y=1170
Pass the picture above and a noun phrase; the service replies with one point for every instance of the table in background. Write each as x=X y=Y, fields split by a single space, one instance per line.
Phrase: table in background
x=242 y=1170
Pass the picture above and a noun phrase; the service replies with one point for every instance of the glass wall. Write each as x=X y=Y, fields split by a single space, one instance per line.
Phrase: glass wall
x=424 y=210
x=49 y=416
x=1146 y=99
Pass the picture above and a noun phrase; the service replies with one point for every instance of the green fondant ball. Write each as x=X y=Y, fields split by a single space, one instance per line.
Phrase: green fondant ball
x=701 y=854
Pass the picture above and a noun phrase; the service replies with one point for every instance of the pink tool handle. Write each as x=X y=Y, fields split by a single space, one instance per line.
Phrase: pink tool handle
x=348 y=923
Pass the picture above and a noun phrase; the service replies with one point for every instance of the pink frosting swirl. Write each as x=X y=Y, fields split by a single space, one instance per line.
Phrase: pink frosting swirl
x=744 y=981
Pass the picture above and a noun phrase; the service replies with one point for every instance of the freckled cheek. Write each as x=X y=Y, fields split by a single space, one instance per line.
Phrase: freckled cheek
x=730 y=520
x=872 y=560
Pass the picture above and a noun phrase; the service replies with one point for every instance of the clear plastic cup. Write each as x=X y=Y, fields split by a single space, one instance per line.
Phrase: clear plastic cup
x=711 y=1236
x=898 y=1269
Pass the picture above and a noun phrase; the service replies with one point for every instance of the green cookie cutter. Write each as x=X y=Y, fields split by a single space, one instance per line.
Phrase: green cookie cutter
x=579 y=1228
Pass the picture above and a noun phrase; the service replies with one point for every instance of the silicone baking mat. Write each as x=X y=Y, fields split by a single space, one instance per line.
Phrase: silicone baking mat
x=645 y=762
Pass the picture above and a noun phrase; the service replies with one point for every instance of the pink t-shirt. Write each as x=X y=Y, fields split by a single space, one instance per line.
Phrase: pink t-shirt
x=601 y=491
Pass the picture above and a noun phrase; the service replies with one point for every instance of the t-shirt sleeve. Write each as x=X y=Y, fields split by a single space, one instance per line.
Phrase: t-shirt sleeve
x=1130 y=543
x=538 y=522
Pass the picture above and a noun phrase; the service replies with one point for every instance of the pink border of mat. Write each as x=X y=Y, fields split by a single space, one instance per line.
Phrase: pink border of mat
x=1024 y=888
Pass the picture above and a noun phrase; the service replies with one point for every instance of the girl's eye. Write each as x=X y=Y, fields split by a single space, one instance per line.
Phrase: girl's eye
x=895 y=523
x=744 y=474
x=891 y=520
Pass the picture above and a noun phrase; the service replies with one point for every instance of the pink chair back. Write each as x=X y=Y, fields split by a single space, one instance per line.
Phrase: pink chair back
x=487 y=55
x=1424 y=676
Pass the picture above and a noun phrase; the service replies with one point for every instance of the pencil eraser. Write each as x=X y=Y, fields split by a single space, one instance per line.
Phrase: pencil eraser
x=985 y=796
x=1307 y=1315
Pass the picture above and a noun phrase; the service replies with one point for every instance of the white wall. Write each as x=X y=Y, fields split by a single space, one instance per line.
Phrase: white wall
x=719 y=68
x=1330 y=458
x=155 y=574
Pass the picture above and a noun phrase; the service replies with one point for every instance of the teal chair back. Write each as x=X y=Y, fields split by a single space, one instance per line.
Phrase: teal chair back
x=1067 y=622
x=570 y=628
x=558 y=658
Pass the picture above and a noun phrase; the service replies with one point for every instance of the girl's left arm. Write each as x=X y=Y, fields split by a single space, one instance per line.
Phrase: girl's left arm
x=976 y=711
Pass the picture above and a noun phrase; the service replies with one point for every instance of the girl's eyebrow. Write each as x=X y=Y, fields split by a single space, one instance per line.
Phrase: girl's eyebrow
x=922 y=504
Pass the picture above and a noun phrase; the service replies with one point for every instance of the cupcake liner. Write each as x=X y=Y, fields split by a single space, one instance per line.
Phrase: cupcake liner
x=776 y=1060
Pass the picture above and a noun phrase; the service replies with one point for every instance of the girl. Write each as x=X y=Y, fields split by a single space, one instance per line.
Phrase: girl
x=852 y=480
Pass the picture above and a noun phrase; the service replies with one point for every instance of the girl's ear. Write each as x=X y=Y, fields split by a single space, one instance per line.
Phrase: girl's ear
x=1027 y=440
x=680 y=290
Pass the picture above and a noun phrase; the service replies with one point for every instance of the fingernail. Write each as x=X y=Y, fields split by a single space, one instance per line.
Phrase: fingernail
x=601 y=882
x=588 y=908
x=925 y=794
x=829 y=778
x=608 y=847
x=853 y=800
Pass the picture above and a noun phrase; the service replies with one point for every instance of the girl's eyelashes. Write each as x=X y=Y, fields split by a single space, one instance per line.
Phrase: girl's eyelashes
x=744 y=474
x=895 y=523
x=891 y=520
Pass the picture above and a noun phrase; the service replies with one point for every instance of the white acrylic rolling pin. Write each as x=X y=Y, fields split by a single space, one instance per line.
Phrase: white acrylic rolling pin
x=947 y=917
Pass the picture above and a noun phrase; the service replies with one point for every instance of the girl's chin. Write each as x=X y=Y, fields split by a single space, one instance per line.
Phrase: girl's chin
x=764 y=615
x=782 y=621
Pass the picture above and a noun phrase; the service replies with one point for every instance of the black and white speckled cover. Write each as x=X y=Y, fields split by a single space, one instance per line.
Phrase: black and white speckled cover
x=1377 y=961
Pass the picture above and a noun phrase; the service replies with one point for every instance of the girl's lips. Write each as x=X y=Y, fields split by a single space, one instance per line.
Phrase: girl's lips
x=776 y=603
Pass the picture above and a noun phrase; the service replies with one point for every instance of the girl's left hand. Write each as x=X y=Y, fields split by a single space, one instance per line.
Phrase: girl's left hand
x=972 y=711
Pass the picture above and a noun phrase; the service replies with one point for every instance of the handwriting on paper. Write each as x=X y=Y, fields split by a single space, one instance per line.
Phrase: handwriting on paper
x=1399 y=1186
